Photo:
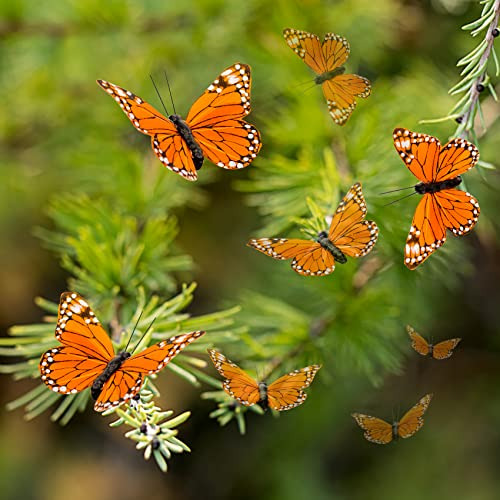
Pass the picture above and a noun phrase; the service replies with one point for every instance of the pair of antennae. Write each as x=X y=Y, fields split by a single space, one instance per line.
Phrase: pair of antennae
x=399 y=199
x=159 y=95
x=143 y=335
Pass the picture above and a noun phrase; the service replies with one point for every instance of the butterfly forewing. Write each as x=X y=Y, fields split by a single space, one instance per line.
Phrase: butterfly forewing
x=418 y=342
x=376 y=430
x=78 y=327
x=348 y=232
x=287 y=392
x=455 y=158
x=142 y=115
x=237 y=384
x=420 y=153
x=413 y=420
x=444 y=349
x=309 y=48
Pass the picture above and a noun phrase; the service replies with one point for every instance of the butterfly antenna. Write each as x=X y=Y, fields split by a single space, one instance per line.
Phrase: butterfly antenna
x=143 y=335
x=159 y=95
x=170 y=92
x=395 y=190
x=132 y=334
x=399 y=199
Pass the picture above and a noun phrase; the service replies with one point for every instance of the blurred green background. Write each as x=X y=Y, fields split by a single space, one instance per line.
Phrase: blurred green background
x=61 y=134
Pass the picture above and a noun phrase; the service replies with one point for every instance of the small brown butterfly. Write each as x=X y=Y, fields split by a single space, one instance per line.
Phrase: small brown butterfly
x=441 y=350
x=381 y=432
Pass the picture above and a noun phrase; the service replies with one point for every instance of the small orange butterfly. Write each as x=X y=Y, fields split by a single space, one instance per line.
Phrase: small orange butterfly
x=86 y=357
x=381 y=432
x=348 y=235
x=213 y=128
x=284 y=393
x=441 y=350
x=442 y=206
x=326 y=59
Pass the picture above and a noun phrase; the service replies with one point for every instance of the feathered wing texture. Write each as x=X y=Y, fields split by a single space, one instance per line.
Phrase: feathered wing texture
x=215 y=120
x=427 y=232
x=348 y=231
x=376 y=430
x=418 y=342
x=309 y=257
x=341 y=92
x=237 y=384
x=287 y=392
x=444 y=349
x=413 y=420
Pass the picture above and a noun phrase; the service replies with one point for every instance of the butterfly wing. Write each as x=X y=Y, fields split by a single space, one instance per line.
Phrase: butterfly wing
x=166 y=142
x=455 y=158
x=348 y=231
x=444 y=349
x=86 y=348
x=376 y=430
x=341 y=92
x=459 y=210
x=309 y=257
x=309 y=48
x=413 y=420
x=420 y=153
x=287 y=392
x=427 y=232
x=126 y=382
x=215 y=120
x=238 y=384
x=418 y=342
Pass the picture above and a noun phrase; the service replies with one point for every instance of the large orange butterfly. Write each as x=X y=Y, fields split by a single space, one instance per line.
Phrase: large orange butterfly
x=87 y=358
x=441 y=350
x=326 y=59
x=348 y=235
x=284 y=393
x=213 y=129
x=442 y=206
x=381 y=432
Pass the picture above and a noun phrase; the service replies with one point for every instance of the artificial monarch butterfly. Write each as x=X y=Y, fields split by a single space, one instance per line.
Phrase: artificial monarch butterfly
x=86 y=357
x=441 y=350
x=381 y=432
x=348 y=235
x=326 y=59
x=284 y=393
x=442 y=206
x=213 y=129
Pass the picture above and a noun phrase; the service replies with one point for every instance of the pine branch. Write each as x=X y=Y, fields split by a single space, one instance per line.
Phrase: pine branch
x=475 y=73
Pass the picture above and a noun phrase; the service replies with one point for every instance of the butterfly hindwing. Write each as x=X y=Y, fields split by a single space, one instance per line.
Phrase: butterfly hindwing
x=418 y=342
x=413 y=420
x=459 y=210
x=455 y=158
x=444 y=349
x=237 y=384
x=287 y=392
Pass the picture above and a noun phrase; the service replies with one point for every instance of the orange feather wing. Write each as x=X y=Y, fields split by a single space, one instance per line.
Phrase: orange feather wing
x=287 y=392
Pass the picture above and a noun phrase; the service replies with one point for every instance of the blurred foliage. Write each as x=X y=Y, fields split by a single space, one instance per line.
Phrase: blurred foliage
x=68 y=147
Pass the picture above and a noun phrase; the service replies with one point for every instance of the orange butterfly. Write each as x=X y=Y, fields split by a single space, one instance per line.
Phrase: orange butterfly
x=87 y=358
x=283 y=394
x=349 y=235
x=442 y=350
x=442 y=206
x=326 y=59
x=213 y=128
x=381 y=432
